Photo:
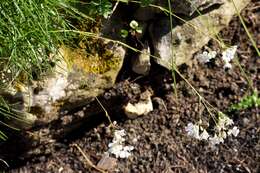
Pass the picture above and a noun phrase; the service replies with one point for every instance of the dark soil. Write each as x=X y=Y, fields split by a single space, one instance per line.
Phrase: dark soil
x=162 y=144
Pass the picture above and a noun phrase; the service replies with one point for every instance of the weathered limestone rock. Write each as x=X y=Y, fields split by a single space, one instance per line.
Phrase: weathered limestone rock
x=76 y=77
x=191 y=36
x=185 y=7
x=79 y=76
x=188 y=7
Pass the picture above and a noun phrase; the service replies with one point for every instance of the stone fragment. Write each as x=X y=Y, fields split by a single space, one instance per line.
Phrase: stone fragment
x=141 y=63
x=143 y=107
x=107 y=163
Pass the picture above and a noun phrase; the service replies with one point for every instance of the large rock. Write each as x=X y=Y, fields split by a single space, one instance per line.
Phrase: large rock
x=188 y=7
x=178 y=45
x=79 y=76
x=76 y=77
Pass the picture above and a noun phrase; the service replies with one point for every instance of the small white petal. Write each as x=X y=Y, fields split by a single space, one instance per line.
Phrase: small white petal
x=229 y=54
x=117 y=148
x=206 y=56
x=223 y=135
x=215 y=140
x=204 y=135
x=128 y=148
x=223 y=122
x=234 y=131
x=192 y=130
x=229 y=121
x=227 y=65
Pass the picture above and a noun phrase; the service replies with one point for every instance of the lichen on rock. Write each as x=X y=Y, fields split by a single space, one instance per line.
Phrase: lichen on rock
x=77 y=75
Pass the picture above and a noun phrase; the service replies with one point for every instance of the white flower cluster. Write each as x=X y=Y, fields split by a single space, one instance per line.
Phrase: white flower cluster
x=205 y=57
x=117 y=146
x=223 y=129
x=194 y=131
x=228 y=55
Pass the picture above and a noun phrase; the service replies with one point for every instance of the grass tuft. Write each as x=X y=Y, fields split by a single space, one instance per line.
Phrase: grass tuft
x=27 y=38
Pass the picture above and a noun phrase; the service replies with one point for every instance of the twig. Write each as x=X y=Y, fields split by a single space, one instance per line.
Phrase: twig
x=4 y=162
x=88 y=161
x=106 y=113
x=114 y=8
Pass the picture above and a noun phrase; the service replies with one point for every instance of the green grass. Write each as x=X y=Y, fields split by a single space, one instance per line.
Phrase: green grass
x=247 y=101
x=27 y=38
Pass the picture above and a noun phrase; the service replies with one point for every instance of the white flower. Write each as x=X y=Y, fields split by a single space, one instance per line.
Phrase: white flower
x=118 y=136
x=204 y=135
x=222 y=134
x=206 y=56
x=227 y=65
x=234 y=131
x=228 y=55
x=215 y=140
x=125 y=152
x=223 y=122
x=193 y=130
x=117 y=148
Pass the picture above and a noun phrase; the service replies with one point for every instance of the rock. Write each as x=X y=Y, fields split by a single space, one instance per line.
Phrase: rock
x=21 y=120
x=185 y=7
x=17 y=105
x=107 y=163
x=186 y=40
x=76 y=77
x=141 y=63
x=188 y=7
x=143 y=107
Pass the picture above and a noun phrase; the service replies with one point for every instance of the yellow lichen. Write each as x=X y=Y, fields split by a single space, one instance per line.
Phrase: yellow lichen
x=98 y=63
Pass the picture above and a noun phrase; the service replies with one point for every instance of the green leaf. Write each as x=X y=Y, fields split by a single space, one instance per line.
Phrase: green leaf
x=247 y=102
x=139 y=30
x=124 y=33
x=134 y=24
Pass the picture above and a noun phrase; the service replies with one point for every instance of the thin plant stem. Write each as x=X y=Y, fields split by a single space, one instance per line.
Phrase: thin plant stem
x=245 y=27
x=106 y=113
x=88 y=161
x=173 y=59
